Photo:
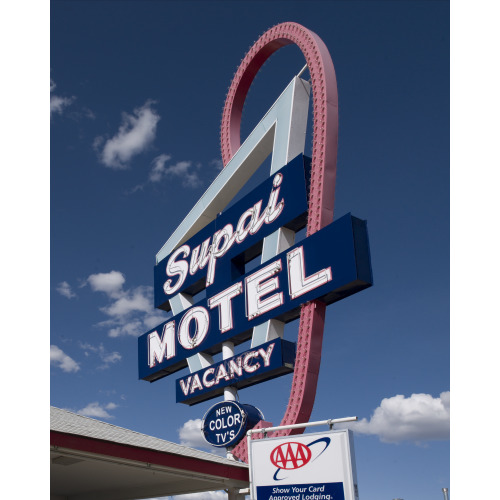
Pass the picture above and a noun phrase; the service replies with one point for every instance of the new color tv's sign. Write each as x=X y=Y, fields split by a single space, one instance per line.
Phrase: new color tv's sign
x=226 y=423
x=318 y=466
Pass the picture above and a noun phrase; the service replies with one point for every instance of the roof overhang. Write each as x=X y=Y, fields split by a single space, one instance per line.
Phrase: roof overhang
x=84 y=467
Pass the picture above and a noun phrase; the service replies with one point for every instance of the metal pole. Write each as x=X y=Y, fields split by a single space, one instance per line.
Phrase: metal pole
x=445 y=494
x=308 y=424
x=249 y=438
x=230 y=393
x=302 y=71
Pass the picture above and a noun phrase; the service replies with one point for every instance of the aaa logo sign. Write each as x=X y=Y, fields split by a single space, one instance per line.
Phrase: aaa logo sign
x=290 y=455
x=316 y=466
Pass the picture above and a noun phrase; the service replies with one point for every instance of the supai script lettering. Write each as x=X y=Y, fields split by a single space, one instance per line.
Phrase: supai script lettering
x=218 y=245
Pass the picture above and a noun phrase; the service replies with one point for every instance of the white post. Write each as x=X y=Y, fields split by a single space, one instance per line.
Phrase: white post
x=234 y=494
x=230 y=393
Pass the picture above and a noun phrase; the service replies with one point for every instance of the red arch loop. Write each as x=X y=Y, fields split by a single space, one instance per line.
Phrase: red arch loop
x=321 y=194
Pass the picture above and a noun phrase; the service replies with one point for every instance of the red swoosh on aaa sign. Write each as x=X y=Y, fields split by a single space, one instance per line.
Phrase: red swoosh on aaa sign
x=321 y=193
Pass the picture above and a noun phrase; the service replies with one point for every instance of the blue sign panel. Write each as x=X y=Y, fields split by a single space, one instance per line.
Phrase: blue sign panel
x=264 y=362
x=330 y=265
x=215 y=255
x=226 y=423
x=317 y=491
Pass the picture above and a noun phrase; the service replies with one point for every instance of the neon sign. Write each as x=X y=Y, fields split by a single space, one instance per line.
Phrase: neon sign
x=329 y=265
x=212 y=248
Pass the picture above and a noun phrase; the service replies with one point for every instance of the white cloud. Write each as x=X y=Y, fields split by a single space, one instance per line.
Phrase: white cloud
x=112 y=357
x=110 y=283
x=184 y=170
x=97 y=410
x=64 y=289
x=62 y=360
x=122 y=327
x=153 y=318
x=158 y=169
x=417 y=418
x=131 y=301
x=130 y=312
x=107 y=357
x=136 y=133
x=217 y=163
x=190 y=434
x=88 y=113
x=58 y=103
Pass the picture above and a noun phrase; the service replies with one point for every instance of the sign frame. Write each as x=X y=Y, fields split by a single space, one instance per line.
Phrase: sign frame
x=343 y=437
x=282 y=133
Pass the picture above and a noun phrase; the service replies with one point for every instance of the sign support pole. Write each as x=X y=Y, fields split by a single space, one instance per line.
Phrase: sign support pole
x=329 y=422
x=230 y=393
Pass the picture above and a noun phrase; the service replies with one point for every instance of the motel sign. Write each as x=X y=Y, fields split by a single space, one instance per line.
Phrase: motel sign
x=213 y=250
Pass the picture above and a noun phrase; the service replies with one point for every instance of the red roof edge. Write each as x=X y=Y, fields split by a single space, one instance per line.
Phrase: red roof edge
x=128 y=452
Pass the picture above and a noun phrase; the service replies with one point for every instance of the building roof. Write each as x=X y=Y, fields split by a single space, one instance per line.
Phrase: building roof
x=94 y=459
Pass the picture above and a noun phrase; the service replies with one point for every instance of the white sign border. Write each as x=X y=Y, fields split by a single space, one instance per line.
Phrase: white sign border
x=351 y=482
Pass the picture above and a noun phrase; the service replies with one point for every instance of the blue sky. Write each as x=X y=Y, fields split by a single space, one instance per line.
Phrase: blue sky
x=137 y=90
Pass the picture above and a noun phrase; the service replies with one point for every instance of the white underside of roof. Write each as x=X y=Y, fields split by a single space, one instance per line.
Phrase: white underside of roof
x=82 y=475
